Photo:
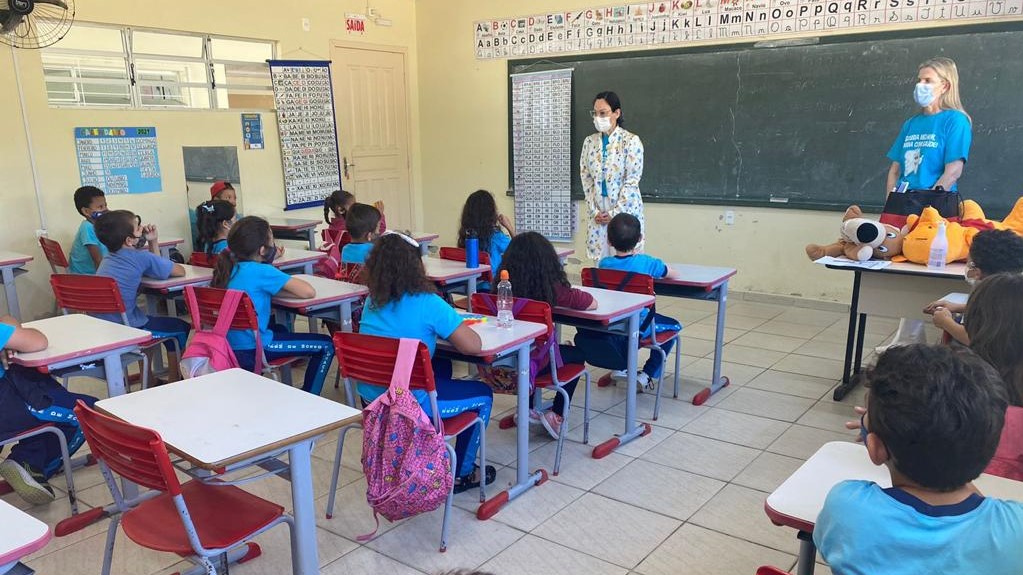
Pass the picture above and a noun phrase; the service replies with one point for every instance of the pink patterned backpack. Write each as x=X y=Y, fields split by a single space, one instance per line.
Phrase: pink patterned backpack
x=406 y=461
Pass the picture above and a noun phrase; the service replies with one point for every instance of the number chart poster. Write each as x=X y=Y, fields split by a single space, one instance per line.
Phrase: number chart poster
x=675 y=22
x=119 y=160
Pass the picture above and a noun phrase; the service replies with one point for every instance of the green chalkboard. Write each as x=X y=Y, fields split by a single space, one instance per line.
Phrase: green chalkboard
x=802 y=126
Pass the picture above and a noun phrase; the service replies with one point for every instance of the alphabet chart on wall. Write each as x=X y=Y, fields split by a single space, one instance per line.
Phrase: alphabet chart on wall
x=304 y=97
x=541 y=148
x=118 y=160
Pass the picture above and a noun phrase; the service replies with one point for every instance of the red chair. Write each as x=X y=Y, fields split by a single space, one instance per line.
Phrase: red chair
x=766 y=570
x=55 y=255
x=540 y=312
x=640 y=284
x=203 y=260
x=340 y=238
x=99 y=294
x=199 y=519
x=370 y=359
x=65 y=457
x=458 y=255
x=210 y=301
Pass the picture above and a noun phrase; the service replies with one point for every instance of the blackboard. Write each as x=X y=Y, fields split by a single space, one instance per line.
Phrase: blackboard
x=802 y=126
x=211 y=163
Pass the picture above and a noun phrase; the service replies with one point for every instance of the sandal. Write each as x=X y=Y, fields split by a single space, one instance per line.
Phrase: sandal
x=472 y=481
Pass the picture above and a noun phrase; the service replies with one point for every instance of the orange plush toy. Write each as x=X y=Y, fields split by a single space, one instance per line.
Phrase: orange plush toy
x=921 y=230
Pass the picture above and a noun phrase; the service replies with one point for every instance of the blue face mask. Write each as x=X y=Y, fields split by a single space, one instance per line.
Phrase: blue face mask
x=923 y=94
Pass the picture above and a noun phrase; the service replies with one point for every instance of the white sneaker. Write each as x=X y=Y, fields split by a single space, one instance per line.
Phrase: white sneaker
x=644 y=382
x=620 y=374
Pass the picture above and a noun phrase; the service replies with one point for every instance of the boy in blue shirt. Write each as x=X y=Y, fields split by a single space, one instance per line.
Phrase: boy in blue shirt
x=610 y=351
x=30 y=399
x=362 y=221
x=934 y=418
x=120 y=232
x=86 y=250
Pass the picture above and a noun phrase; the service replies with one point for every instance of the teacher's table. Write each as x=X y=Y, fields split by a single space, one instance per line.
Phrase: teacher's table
x=298 y=260
x=900 y=290
x=81 y=339
x=295 y=229
x=500 y=343
x=232 y=419
x=616 y=313
x=20 y=536
x=332 y=302
x=155 y=289
x=706 y=283
x=798 y=501
x=11 y=266
x=168 y=243
x=448 y=274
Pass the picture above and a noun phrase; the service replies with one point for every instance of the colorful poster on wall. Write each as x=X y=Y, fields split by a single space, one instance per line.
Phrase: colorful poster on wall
x=677 y=22
x=252 y=131
x=541 y=153
x=119 y=160
x=305 y=119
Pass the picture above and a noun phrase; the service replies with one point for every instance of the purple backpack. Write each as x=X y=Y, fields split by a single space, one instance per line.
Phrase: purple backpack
x=406 y=460
x=506 y=379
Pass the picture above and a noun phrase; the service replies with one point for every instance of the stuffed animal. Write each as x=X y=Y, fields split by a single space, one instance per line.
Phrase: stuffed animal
x=860 y=239
x=921 y=230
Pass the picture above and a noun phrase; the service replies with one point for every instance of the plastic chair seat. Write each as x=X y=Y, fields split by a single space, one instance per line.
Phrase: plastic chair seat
x=660 y=338
x=286 y=360
x=223 y=516
x=566 y=373
x=459 y=423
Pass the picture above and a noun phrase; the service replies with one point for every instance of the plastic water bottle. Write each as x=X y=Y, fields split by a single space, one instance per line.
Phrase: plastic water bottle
x=939 y=249
x=504 y=301
x=472 y=249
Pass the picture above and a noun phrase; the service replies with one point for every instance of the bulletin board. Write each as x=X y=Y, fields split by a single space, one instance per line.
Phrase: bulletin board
x=119 y=160
x=304 y=97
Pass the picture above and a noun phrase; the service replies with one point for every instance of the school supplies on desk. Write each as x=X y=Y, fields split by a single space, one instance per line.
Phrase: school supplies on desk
x=472 y=318
x=848 y=263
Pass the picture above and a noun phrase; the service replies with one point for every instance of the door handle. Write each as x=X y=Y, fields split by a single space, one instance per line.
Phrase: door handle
x=345 y=165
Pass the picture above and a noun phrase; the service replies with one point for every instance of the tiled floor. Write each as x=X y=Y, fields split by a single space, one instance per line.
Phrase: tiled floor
x=688 y=498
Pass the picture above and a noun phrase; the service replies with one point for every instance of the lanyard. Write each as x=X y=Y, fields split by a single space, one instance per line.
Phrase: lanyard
x=604 y=138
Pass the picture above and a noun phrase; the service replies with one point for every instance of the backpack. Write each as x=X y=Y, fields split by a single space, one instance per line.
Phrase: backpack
x=330 y=266
x=406 y=460
x=505 y=379
x=209 y=350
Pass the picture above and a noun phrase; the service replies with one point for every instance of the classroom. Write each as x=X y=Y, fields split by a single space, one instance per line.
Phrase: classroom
x=782 y=392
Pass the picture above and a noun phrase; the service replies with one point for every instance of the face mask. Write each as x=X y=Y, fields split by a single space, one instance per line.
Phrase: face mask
x=602 y=124
x=923 y=94
x=270 y=255
x=969 y=280
x=140 y=242
x=96 y=215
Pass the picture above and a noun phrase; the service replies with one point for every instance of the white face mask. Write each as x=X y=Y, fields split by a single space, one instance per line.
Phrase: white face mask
x=923 y=94
x=971 y=281
x=602 y=124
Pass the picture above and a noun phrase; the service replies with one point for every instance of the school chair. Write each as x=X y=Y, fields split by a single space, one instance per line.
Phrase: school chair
x=555 y=380
x=458 y=255
x=640 y=284
x=211 y=300
x=65 y=458
x=334 y=237
x=100 y=294
x=370 y=359
x=55 y=255
x=196 y=520
x=202 y=260
x=768 y=570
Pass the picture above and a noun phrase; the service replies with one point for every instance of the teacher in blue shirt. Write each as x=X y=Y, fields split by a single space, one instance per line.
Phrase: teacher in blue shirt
x=931 y=150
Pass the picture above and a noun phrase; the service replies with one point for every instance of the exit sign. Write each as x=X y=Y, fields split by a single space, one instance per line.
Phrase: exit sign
x=355 y=23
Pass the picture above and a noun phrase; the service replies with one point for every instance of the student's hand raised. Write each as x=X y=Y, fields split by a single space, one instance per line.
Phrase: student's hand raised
x=379 y=205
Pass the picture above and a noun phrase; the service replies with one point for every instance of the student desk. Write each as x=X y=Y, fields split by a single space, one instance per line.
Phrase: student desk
x=298 y=260
x=499 y=343
x=20 y=535
x=168 y=243
x=333 y=300
x=617 y=313
x=80 y=339
x=295 y=229
x=12 y=265
x=235 y=418
x=798 y=501
x=706 y=283
x=424 y=239
x=900 y=290
x=563 y=253
x=448 y=274
x=155 y=289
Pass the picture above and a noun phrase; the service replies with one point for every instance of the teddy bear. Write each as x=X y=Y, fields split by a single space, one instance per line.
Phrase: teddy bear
x=860 y=239
x=921 y=230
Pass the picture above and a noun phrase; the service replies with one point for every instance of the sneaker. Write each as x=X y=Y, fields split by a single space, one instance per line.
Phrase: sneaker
x=620 y=374
x=534 y=417
x=644 y=382
x=26 y=482
x=552 y=423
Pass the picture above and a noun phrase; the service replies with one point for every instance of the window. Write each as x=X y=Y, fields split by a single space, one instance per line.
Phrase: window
x=97 y=66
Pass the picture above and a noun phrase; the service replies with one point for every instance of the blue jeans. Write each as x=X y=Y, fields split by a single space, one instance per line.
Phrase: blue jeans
x=48 y=403
x=611 y=351
x=317 y=347
x=454 y=396
x=161 y=327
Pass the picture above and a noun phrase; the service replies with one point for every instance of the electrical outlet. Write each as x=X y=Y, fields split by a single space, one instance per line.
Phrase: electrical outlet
x=729 y=218
x=305 y=24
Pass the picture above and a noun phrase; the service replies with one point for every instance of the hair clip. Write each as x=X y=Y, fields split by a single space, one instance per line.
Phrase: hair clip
x=208 y=207
x=405 y=237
